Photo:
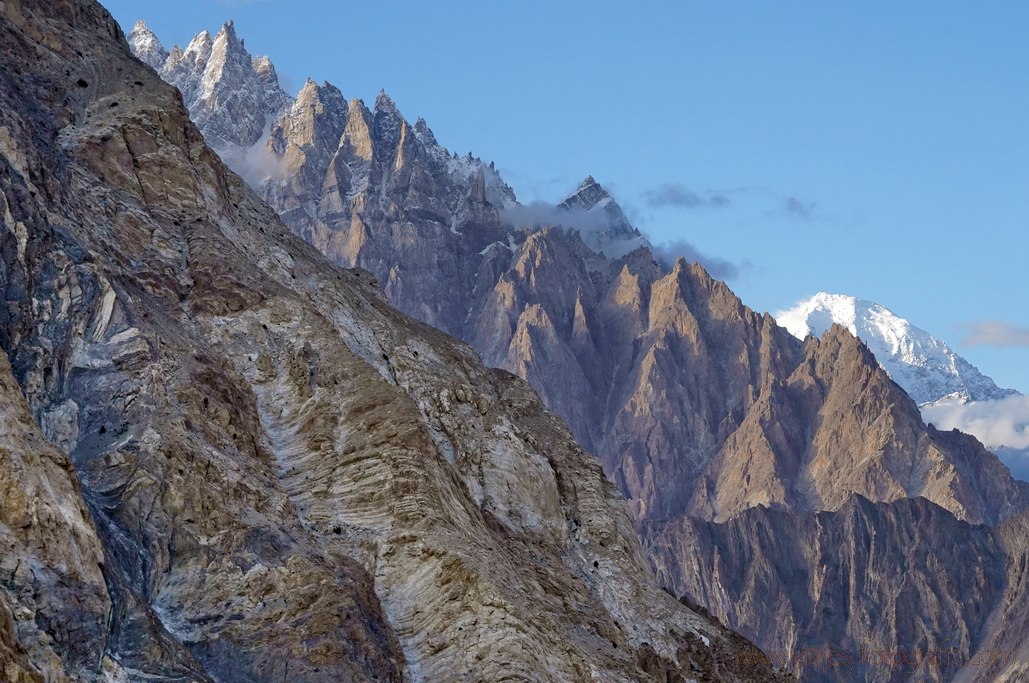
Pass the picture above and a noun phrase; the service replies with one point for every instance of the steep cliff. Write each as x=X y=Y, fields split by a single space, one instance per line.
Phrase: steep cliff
x=871 y=592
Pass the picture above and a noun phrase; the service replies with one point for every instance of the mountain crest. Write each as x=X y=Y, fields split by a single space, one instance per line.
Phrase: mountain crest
x=233 y=96
x=228 y=30
x=587 y=195
x=384 y=103
x=924 y=365
x=146 y=45
x=615 y=236
x=201 y=45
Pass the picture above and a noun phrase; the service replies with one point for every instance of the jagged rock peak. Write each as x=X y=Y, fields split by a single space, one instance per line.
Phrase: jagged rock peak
x=618 y=237
x=146 y=46
x=231 y=96
x=312 y=92
x=228 y=30
x=201 y=44
x=425 y=134
x=924 y=365
x=385 y=103
x=227 y=43
x=589 y=194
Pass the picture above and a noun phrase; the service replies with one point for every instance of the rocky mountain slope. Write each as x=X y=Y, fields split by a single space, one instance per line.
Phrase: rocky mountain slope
x=927 y=369
x=224 y=458
x=706 y=414
x=778 y=572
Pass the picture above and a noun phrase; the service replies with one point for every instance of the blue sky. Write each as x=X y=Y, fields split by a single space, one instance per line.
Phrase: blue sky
x=876 y=149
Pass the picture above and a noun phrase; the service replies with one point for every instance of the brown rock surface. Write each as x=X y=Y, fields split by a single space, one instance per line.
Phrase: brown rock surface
x=53 y=602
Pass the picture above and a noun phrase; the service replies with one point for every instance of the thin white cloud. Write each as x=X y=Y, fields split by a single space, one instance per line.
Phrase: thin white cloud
x=995 y=333
x=591 y=222
x=257 y=164
x=539 y=214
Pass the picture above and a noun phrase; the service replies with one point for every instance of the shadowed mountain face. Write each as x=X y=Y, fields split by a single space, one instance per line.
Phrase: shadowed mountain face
x=223 y=458
x=873 y=591
x=706 y=414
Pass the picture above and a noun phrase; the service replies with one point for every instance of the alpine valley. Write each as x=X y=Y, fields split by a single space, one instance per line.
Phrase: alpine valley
x=356 y=414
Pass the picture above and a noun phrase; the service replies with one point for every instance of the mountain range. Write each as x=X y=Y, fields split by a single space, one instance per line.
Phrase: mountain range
x=227 y=458
x=224 y=458
x=952 y=393
x=714 y=422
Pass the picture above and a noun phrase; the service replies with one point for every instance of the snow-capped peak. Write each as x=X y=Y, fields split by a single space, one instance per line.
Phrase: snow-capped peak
x=232 y=96
x=146 y=46
x=920 y=363
x=616 y=236
x=588 y=195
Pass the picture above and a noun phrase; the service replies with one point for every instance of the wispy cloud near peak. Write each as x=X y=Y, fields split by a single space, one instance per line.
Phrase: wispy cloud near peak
x=679 y=196
x=994 y=333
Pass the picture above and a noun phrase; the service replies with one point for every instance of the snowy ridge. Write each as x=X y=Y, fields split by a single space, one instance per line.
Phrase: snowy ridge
x=927 y=369
x=146 y=46
x=232 y=96
x=236 y=100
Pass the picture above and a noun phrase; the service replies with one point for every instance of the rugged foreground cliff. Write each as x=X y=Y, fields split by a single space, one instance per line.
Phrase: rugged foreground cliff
x=788 y=486
x=224 y=458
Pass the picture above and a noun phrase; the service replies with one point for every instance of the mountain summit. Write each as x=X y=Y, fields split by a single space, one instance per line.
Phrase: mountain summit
x=231 y=95
x=146 y=46
x=613 y=234
x=926 y=368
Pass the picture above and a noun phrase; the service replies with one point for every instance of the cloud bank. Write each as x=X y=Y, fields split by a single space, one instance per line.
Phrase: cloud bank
x=1002 y=425
x=542 y=214
x=719 y=268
